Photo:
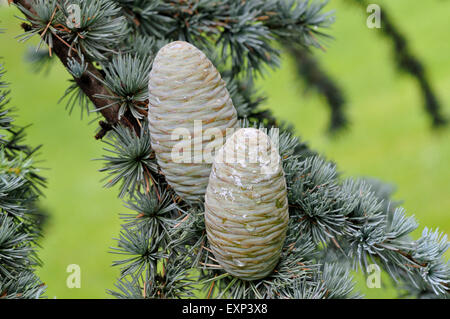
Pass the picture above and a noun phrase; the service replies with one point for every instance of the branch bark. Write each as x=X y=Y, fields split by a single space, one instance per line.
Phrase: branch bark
x=90 y=83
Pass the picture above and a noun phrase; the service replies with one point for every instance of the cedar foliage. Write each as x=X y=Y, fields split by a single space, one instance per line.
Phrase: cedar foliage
x=335 y=224
x=20 y=218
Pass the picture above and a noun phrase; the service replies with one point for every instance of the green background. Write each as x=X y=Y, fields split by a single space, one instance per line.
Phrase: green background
x=389 y=137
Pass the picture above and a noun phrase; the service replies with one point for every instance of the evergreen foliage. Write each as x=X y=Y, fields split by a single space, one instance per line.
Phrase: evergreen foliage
x=315 y=78
x=406 y=61
x=335 y=224
x=20 y=184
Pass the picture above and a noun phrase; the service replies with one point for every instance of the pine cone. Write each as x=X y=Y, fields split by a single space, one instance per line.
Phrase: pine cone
x=184 y=87
x=246 y=206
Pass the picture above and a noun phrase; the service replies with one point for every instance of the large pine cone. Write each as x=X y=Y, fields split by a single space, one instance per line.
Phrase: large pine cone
x=184 y=87
x=246 y=206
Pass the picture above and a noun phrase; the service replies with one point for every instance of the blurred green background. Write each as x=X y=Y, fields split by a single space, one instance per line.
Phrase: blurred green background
x=389 y=137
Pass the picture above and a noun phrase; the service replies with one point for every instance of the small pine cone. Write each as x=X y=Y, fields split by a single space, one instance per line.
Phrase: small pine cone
x=184 y=87
x=246 y=206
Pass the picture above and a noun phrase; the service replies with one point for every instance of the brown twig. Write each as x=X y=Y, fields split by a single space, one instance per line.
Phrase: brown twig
x=211 y=289
x=105 y=128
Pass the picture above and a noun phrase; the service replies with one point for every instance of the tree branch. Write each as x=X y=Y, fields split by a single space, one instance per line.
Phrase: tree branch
x=90 y=83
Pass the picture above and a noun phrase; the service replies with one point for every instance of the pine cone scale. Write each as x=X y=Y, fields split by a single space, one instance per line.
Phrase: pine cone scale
x=246 y=211
x=185 y=90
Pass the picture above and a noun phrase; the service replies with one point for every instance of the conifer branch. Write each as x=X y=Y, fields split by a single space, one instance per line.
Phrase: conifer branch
x=91 y=82
x=316 y=78
x=20 y=187
x=409 y=63
x=334 y=224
